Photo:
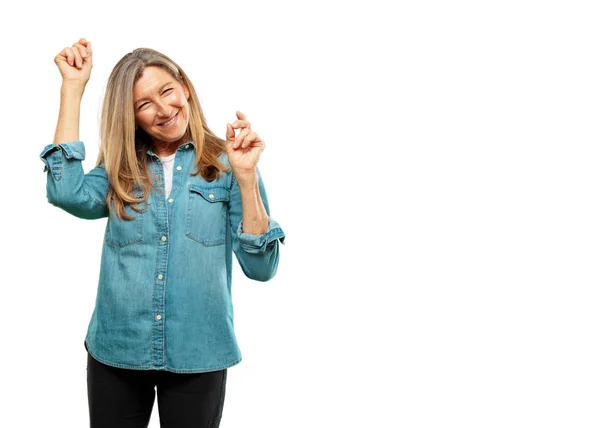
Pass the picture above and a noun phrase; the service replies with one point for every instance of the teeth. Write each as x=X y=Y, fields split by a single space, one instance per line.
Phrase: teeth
x=169 y=122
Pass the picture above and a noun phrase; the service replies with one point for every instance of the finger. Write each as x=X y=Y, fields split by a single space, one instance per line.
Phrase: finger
x=241 y=136
x=230 y=134
x=251 y=138
x=242 y=117
x=82 y=50
x=82 y=53
x=78 y=62
x=88 y=46
x=229 y=146
x=70 y=56
x=241 y=124
x=62 y=56
x=255 y=141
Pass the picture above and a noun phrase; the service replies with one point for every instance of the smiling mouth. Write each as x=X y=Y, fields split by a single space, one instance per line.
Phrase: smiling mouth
x=170 y=121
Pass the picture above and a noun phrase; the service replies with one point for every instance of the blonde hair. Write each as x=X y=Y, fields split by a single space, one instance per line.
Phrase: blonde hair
x=123 y=150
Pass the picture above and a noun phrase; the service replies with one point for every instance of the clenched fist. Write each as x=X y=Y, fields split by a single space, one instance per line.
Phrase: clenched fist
x=75 y=62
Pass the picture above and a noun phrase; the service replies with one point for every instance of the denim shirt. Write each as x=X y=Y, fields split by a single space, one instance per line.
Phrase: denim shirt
x=164 y=293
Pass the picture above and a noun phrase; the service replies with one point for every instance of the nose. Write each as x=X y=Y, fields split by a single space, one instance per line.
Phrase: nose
x=162 y=109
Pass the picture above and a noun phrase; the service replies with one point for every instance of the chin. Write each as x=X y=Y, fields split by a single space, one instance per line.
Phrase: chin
x=167 y=140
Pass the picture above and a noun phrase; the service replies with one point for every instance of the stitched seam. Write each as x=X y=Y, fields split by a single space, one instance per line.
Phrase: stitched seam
x=86 y=191
x=192 y=233
x=198 y=370
x=66 y=150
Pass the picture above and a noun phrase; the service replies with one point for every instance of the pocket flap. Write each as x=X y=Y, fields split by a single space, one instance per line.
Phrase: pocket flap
x=211 y=194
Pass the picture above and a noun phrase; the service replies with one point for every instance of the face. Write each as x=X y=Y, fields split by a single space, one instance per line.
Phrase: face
x=161 y=106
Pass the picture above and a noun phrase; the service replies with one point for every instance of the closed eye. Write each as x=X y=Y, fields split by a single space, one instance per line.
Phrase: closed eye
x=164 y=92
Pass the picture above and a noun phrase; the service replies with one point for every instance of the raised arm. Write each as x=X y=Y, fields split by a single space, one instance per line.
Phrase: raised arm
x=67 y=187
x=256 y=236
x=75 y=66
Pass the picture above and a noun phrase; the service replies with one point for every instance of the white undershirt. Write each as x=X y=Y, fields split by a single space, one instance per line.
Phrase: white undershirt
x=167 y=163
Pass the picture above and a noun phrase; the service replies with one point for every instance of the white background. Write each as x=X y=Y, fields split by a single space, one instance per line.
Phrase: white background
x=434 y=166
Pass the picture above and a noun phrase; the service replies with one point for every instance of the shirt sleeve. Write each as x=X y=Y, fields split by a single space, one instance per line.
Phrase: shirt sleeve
x=67 y=187
x=258 y=255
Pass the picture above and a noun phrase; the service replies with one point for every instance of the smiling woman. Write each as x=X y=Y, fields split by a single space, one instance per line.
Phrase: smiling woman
x=161 y=109
x=153 y=104
x=179 y=202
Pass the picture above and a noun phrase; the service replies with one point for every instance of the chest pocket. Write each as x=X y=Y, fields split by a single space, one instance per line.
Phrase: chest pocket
x=206 y=220
x=120 y=233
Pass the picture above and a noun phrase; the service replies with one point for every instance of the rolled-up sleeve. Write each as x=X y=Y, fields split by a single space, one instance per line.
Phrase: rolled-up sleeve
x=259 y=243
x=258 y=255
x=67 y=187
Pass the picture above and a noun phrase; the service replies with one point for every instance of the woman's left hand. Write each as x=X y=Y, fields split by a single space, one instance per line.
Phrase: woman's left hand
x=245 y=149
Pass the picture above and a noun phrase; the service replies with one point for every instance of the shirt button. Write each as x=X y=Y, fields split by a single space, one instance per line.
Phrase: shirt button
x=178 y=167
x=158 y=317
x=160 y=276
x=170 y=200
x=187 y=146
x=164 y=238
x=211 y=196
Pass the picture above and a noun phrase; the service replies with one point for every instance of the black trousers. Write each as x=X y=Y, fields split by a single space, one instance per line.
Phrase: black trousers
x=123 y=398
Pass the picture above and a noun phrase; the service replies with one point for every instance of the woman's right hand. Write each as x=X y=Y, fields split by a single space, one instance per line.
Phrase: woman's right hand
x=75 y=63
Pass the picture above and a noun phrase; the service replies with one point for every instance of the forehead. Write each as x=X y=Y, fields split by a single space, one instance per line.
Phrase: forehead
x=152 y=79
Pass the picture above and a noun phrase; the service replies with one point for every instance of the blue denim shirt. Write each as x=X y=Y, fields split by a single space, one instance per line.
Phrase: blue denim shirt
x=164 y=293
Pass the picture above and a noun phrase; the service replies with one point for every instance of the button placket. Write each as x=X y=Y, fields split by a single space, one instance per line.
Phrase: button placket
x=159 y=289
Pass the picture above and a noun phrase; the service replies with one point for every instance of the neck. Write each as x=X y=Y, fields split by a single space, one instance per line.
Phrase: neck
x=161 y=148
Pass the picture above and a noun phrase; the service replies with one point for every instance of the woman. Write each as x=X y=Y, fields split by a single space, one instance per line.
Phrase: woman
x=179 y=201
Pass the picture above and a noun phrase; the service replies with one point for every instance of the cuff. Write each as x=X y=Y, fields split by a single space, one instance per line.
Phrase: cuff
x=74 y=150
x=258 y=243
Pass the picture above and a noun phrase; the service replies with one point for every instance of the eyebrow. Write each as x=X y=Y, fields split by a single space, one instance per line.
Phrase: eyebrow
x=159 y=90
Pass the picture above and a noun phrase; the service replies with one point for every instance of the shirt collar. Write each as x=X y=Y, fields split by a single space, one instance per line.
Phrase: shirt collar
x=181 y=147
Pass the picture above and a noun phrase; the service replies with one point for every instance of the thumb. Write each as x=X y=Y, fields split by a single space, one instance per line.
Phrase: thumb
x=88 y=60
x=230 y=135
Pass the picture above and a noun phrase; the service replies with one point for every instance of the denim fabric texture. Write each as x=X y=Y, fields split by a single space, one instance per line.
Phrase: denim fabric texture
x=164 y=293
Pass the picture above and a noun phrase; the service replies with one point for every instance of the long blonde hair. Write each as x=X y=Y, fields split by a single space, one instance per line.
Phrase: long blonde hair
x=123 y=150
